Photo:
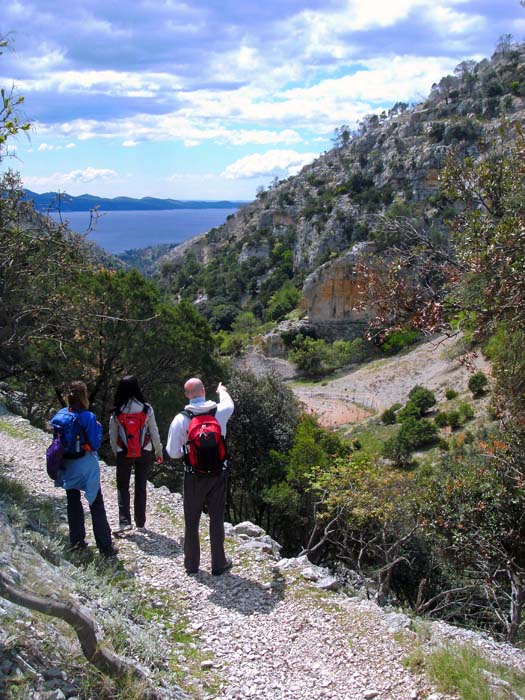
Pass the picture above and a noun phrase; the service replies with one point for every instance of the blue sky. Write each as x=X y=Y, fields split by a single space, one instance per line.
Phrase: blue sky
x=212 y=100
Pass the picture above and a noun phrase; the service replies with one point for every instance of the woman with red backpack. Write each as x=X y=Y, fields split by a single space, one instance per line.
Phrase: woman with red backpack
x=134 y=437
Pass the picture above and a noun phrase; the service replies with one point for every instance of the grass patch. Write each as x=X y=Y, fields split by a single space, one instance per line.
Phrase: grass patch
x=372 y=436
x=13 y=430
x=460 y=669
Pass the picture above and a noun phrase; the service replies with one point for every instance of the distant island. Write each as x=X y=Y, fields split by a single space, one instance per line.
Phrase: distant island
x=60 y=201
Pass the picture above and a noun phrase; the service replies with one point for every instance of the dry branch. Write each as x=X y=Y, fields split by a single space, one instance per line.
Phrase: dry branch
x=103 y=659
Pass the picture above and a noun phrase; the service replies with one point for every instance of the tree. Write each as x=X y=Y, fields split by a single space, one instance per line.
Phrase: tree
x=366 y=517
x=263 y=426
x=474 y=510
x=11 y=122
x=342 y=135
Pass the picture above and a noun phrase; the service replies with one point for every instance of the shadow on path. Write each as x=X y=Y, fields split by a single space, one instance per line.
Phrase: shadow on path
x=243 y=595
x=154 y=543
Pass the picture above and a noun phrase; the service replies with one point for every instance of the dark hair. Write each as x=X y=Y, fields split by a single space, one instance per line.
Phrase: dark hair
x=128 y=388
x=77 y=396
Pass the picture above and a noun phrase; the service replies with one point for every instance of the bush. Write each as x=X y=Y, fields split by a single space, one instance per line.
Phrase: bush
x=466 y=412
x=478 y=383
x=411 y=410
x=417 y=433
x=441 y=419
x=388 y=417
x=397 y=340
x=423 y=398
x=450 y=394
x=397 y=451
x=454 y=419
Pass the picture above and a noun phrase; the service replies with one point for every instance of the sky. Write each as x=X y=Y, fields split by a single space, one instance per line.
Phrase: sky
x=215 y=99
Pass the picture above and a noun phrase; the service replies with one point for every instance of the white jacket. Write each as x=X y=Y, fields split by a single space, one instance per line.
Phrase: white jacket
x=134 y=406
x=178 y=432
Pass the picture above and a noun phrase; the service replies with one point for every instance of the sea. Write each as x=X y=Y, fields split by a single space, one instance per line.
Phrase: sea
x=118 y=231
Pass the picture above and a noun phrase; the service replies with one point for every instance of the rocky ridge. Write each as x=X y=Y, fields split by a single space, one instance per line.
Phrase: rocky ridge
x=388 y=166
x=272 y=629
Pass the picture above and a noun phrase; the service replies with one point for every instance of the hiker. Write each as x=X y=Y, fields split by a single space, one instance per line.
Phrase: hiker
x=133 y=435
x=81 y=471
x=197 y=434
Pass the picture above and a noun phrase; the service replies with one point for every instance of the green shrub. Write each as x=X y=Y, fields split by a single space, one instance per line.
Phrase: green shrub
x=397 y=451
x=282 y=301
x=422 y=397
x=417 y=433
x=466 y=412
x=478 y=383
x=388 y=417
x=397 y=340
x=454 y=419
x=441 y=419
x=411 y=410
x=450 y=394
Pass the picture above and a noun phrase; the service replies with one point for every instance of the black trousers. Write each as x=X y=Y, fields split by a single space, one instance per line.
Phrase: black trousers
x=142 y=468
x=75 y=518
x=198 y=491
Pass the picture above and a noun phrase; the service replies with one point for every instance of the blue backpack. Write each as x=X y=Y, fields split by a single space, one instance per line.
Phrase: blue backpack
x=68 y=441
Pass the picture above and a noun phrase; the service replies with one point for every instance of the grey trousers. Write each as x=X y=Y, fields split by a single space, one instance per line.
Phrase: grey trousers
x=198 y=491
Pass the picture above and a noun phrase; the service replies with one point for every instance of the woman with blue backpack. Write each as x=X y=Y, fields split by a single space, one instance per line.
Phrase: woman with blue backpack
x=134 y=438
x=81 y=435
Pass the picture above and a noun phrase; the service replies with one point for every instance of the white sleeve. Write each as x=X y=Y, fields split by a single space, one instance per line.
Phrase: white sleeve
x=224 y=409
x=113 y=433
x=154 y=432
x=176 y=437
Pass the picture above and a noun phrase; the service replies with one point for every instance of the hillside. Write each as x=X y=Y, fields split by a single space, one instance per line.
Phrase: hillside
x=435 y=364
x=270 y=629
x=301 y=231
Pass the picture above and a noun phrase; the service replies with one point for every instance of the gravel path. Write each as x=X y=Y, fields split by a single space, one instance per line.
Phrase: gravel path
x=268 y=635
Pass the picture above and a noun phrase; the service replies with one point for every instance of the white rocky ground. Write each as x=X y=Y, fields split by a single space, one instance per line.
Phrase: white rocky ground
x=268 y=632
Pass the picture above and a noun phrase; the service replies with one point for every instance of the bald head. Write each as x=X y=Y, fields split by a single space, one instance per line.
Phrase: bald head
x=194 y=388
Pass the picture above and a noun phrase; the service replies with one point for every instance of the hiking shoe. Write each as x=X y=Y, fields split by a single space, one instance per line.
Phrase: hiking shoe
x=141 y=528
x=191 y=572
x=78 y=546
x=223 y=569
x=121 y=529
x=109 y=552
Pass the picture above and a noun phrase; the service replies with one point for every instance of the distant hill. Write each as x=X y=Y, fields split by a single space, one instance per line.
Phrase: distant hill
x=53 y=201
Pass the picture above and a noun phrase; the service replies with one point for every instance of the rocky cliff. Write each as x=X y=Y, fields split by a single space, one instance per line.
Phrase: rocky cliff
x=389 y=165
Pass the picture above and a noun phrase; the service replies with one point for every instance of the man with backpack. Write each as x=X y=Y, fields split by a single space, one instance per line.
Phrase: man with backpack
x=197 y=434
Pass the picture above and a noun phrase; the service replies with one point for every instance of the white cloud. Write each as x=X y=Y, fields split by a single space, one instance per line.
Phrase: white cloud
x=106 y=82
x=214 y=116
x=447 y=21
x=58 y=180
x=50 y=147
x=274 y=162
x=169 y=127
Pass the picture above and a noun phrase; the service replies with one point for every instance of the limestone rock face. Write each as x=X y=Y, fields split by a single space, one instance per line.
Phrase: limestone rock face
x=330 y=296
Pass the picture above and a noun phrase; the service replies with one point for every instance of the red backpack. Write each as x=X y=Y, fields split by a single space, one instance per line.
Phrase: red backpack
x=133 y=432
x=205 y=451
